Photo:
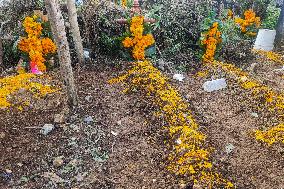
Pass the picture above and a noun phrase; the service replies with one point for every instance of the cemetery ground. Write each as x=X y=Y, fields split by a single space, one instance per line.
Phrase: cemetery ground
x=112 y=140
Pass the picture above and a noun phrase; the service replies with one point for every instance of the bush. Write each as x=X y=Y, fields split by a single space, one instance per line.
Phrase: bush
x=236 y=47
x=102 y=32
x=272 y=15
x=178 y=23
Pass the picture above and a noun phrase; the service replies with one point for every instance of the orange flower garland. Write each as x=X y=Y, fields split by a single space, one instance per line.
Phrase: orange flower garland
x=33 y=45
x=139 y=42
x=249 y=20
x=211 y=39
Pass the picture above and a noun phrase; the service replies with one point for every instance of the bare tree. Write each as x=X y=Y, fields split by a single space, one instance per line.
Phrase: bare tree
x=58 y=30
x=280 y=31
x=72 y=14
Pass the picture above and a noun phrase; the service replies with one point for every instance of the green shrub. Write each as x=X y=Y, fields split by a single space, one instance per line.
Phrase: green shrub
x=271 y=18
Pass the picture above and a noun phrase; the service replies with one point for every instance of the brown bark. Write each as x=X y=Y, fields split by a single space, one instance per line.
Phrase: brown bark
x=278 y=44
x=72 y=14
x=59 y=33
x=1 y=54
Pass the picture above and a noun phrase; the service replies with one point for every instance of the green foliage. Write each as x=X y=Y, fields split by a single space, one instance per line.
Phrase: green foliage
x=236 y=47
x=271 y=18
x=11 y=53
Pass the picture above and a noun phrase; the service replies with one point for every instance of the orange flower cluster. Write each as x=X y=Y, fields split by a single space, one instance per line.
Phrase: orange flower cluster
x=210 y=41
x=138 y=41
x=249 y=20
x=36 y=47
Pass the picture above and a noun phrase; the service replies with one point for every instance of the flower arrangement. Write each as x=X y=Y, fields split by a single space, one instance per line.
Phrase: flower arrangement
x=272 y=100
x=249 y=24
x=34 y=45
x=137 y=40
x=12 y=84
x=210 y=41
x=188 y=156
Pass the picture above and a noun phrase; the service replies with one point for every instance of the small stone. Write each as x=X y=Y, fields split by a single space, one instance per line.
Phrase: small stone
x=229 y=148
x=154 y=180
x=88 y=98
x=20 y=164
x=178 y=77
x=58 y=161
x=47 y=128
x=254 y=115
x=59 y=118
x=215 y=85
x=182 y=186
x=8 y=171
x=178 y=141
x=88 y=119
x=2 y=135
x=86 y=54
x=114 y=133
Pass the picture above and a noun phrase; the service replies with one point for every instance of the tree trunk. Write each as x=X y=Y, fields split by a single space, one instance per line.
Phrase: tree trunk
x=1 y=55
x=59 y=33
x=279 y=31
x=72 y=14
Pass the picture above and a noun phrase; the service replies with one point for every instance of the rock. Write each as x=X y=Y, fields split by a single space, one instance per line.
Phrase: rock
x=2 y=135
x=59 y=118
x=58 y=161
x=8 y=171
x=88 y=98
x=119 y=122
x=229 y=148
x=114 y=133
x=254 y=115
x=47 y=128
x=215 y=85
x=178 y=77
x=20 y=164
x=88 y=119
x=178 y=141
x=86 y=54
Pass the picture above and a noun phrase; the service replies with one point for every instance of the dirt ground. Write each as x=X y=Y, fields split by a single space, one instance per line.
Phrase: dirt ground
x=122 y=146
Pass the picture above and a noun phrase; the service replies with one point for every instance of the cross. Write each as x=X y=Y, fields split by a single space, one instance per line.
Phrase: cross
x=138 y=51
x=136 y=10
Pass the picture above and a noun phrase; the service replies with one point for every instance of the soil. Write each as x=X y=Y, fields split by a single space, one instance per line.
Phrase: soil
x=122 y=147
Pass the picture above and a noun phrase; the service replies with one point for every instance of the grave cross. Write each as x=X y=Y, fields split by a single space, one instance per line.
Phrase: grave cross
x=136 y=10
